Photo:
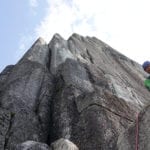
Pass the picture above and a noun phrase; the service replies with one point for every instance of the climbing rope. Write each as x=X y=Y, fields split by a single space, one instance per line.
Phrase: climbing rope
x=137 y=132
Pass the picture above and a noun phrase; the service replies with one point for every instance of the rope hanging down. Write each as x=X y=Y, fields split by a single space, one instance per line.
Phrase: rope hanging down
x=137 y=132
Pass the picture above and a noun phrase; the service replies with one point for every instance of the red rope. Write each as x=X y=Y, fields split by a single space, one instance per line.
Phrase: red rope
x=137 y=132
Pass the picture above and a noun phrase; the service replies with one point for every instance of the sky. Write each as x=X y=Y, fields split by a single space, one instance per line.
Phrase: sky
x=122 y=24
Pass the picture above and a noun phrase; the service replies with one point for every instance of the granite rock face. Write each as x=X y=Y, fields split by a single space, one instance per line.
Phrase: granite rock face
x=63 y=144
x=78 y=89
x=32 y=145
x=137 y=135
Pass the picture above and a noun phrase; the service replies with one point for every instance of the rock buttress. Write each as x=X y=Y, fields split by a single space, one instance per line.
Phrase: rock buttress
x=78 y=89
x=26 y=95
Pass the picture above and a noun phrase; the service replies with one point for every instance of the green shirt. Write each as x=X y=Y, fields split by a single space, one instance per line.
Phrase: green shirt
x=147 y=83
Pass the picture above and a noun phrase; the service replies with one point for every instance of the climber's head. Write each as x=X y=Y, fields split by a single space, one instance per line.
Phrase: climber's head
x=146 y=66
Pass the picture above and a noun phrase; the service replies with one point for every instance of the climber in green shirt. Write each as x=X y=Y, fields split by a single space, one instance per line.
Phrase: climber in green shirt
x=146 y=67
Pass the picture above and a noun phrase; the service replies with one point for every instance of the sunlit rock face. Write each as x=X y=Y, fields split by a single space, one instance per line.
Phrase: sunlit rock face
x=78 y=89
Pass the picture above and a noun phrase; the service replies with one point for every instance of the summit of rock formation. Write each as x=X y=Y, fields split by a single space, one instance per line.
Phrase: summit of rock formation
x=74 y=94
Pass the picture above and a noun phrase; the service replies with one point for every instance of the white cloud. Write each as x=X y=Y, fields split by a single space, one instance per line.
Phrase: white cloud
x=33 y=6
x=123 y=24
x=33 y=3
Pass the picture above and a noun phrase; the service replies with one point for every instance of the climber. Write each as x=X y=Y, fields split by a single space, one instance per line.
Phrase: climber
x=146 y=67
